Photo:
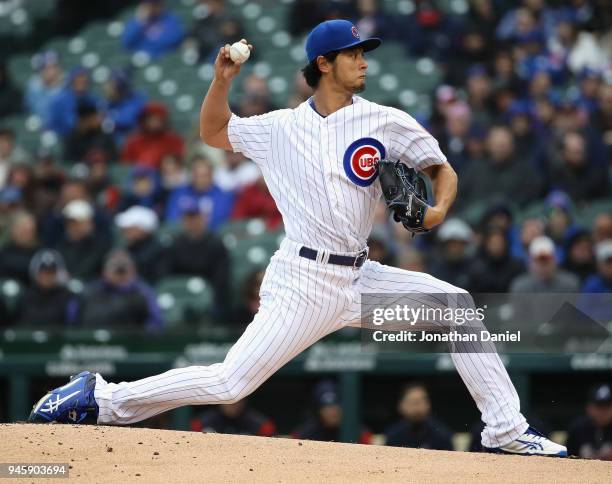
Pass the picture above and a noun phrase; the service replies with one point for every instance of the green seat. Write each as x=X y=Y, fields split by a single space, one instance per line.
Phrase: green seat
x=185 y=299
x=21 y=68
x=235 y=230
x=166 y=233
x=10 y=291
x=250 y=254
x=120 y=173
x=587 y=215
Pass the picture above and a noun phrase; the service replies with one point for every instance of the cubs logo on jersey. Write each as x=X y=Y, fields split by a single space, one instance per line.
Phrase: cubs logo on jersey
x=360 y=160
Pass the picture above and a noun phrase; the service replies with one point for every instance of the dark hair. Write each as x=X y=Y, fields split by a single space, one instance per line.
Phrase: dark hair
x=311 y=72
x=7 y=132
x=412 y=386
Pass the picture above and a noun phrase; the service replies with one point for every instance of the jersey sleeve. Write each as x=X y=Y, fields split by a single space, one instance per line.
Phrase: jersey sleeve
x=410 y=143
x=252 y=136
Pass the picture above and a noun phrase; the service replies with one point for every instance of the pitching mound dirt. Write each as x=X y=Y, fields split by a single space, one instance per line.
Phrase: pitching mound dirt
x=117 y=455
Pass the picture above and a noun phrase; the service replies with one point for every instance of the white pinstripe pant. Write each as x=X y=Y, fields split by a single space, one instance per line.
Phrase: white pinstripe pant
x=301 y=302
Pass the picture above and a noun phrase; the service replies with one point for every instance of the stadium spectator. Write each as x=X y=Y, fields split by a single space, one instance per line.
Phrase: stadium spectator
x=527 y=139
x=602 y=280
x=473 y=49
x=558 y=219
x=216 y=28
x=479 y=91
x=100 y=185
x=601 y=119
x=49 y=179
x=379 y=250
x=576 y=165
x=579 y=49
x=544 y=275
x=234 y=418
x=504 y=77
x=48 y=302
x=52 y=222
x=255 y=201
x=590 y=436
x=123 y=105
x=236 y=172
x=502 y=173
x=44 y=86
x=495 y=268
x=172 y=174
x=153 y=30
x=325 y=426
x=138 y=226
x=16 y=254
x=372 y=21
x=256 y=98
x=412 y=259
x=10 y=203
x=530 y=229
x=154 y=140
x=143 y=189
x=595 y=301
x=120 y=299
x=196 y=251
x=63 y=108
x=454 y=259
x=590 y=86
x=418 y=427
x=453 y=140
x=305 y=14
x=88 y=141
x=602 y=227
x=82 y=247
x=10 y=154
x=214 y=203
x=11 y=98
x=428 y=31
x=301 y=91
x=248 y=305
x=578 y=254
x=21 y=177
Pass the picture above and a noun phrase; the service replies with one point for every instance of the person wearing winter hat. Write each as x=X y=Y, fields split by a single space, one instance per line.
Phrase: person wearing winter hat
x=48 y=302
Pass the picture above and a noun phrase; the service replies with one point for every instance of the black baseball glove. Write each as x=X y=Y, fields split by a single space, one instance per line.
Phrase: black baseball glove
x=405 y=193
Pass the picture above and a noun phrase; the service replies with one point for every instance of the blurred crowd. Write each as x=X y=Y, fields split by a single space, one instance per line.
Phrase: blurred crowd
x=415 y=424
x=524 y=115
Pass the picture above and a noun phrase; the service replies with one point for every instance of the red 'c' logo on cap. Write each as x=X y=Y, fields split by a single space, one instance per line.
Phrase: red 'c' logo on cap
x=355 y=32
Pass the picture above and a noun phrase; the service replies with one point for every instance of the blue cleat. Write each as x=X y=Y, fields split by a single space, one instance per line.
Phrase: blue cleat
x=72 y=403
x=531 y=442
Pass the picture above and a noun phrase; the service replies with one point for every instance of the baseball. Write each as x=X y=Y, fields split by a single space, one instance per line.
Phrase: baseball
x=239 y=52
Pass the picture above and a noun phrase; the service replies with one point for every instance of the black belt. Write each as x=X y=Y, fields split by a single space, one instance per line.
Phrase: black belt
x=341 y=260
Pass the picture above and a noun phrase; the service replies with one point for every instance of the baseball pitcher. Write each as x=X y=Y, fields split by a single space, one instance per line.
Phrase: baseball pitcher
x=321 y=162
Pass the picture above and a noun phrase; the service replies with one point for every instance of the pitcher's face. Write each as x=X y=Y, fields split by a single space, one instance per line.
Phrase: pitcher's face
x=349 y=70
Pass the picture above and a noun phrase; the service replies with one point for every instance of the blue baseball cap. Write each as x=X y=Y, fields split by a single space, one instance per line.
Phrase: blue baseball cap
x=336 y=35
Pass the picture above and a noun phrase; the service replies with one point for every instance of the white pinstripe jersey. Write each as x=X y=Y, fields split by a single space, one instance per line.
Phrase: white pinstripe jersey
x=320 y=170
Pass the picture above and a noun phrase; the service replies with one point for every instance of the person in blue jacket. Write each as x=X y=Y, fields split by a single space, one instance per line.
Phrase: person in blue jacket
x=63 y=107
x=153 y=29
x=595 y=300
x=215 y=204
x=123 y=104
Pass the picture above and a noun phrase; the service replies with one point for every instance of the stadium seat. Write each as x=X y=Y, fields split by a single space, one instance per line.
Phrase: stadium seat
x=184 y=300
x=250 y=254
x=10 y=291
x=242 y=229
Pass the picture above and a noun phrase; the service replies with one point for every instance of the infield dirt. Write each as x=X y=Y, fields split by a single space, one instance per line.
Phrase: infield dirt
x=117 y=455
